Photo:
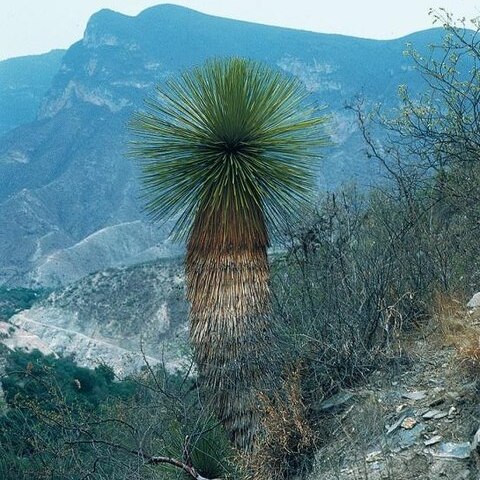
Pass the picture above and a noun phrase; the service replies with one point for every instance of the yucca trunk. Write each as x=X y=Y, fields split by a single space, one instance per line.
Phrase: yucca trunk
x=227 y=286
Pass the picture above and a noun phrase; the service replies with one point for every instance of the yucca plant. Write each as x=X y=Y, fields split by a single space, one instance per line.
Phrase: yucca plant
x=228 y=149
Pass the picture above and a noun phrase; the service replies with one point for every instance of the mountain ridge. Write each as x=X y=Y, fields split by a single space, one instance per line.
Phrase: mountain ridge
x=65 y=176
x=182 y=10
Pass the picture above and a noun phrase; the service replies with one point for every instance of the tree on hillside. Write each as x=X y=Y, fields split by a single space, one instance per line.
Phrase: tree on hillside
x=437 y=133
x=228 y=149
x=429 y=149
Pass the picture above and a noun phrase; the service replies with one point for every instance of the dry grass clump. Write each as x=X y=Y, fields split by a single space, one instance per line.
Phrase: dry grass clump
x=470 y=355
x=450 y=320
x=287 y=442
x=457 y=326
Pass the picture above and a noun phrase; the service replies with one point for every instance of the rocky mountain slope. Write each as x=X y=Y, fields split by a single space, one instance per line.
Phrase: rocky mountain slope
x=117 y=316
x=24 y=81
x=66 y=182
x=417 y=416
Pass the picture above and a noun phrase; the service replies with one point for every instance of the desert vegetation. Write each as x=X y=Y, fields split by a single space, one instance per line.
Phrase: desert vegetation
x=353 y=273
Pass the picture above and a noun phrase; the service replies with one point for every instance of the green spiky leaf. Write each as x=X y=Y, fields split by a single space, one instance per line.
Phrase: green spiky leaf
x=231 y=136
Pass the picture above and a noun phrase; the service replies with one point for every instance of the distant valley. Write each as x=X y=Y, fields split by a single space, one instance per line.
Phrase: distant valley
x=123 y=317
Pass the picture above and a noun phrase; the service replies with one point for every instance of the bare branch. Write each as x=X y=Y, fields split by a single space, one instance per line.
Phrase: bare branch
x=149 y=459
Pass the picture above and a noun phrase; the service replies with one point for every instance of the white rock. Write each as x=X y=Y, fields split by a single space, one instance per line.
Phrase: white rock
x=417 y=395
x=474 y=302
x=476 y=440
x=433 y=440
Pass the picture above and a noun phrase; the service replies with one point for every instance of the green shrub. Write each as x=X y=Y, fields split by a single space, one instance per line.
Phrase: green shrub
x=64 y=421
x=13 y=300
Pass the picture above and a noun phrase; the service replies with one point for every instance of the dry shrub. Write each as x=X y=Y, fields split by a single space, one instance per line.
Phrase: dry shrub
x=287 y=442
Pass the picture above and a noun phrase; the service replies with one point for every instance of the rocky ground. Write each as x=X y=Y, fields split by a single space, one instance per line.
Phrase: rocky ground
x=418 y=417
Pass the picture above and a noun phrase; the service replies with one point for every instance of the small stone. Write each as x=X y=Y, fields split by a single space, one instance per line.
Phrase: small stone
x=400 y=408
x=422 y=411
x=470 y=386
x=408 y=423
x=453 y=450
x=397 y=423
x=430 y=414
x=440 y=415
x=418 y=395
x=394 y=426
x=335 y=402
x=433 y=440
x=452 y=411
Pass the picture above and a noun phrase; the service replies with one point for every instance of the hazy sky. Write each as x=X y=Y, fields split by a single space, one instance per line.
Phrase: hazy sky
x=36 y=26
